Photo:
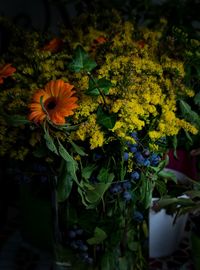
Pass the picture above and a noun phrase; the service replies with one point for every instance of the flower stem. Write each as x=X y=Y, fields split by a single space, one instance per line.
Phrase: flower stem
x=97 y=86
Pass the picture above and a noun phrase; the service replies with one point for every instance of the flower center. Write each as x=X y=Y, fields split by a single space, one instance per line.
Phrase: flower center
x=50 y=104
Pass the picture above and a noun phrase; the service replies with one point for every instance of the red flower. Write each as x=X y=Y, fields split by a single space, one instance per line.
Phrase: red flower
x=54 y=45
x=100 y=40
x=6 y=71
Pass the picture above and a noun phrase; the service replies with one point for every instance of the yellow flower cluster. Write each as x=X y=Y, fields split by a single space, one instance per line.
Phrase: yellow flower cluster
x=91 y=130
x=145 y=86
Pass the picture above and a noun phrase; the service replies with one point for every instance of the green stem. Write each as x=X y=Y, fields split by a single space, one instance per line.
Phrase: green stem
x=96 y=85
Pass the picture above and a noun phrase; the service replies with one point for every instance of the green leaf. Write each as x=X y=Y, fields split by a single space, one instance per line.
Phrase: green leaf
x=71 y=163
x=49 y=141
x=188 y=113
x=197 y=67
x=168 y=174
x=78 y=149
x=88 y=170
x=105 y=262
x=175 y=144
x=123 y=264
x=94 y=85
x=197 y=99
x=108 y=261
x=104 y=176
x=193 y=193
x=167 y=201
x=132 y=245
x=95 y=195
x=16 y=120
x=161 y=165
x=65 y=183
x=81 y=61
x=161 y=187
x=105 y=119
x=146 y=191
x=99 y=237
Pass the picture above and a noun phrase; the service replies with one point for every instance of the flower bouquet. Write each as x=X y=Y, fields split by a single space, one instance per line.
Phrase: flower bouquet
x=89 y=112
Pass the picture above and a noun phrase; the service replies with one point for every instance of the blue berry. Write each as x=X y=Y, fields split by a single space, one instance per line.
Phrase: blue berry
x=82 y=246
x=126 y=156
x=134 y=135
x=127 y=185
x=139 y=158
x=74 y=245
x=146 y=163
x=97 y=156
x=127 y=196
x=133 y=149
x=138 y=216
x=155 y=159
x=79 y=231
x=116 y=189
x=72 y=234
x=135 y=175
x=89 y=260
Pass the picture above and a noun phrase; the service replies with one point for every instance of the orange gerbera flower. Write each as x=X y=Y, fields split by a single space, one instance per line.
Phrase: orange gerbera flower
x=6 y=71
x=58 y=102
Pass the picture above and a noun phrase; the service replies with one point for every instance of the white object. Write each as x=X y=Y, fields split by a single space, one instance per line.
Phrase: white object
x=164 y=236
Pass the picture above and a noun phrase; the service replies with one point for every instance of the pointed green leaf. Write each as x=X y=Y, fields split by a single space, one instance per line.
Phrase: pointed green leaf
x=168 y=174
x=188 y=113
x=193 y=193
x=88 y=170
x=71 y=163
x=99 y=237
x=94 y=85
x=95 y=195
x=50 y=142
x=123 y=263
x=78 y=149
x=188 y=136
x=105 y=119
x=197 y=99
x=81 y=61
x=104 y=176
x=65 y=183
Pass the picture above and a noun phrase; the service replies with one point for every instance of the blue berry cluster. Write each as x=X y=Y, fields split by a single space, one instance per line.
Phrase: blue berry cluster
x=76 y=240
x=142 y=156
x=122 y=188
